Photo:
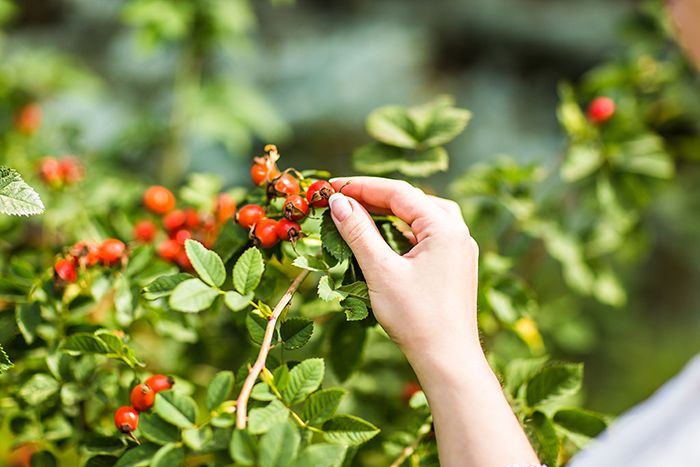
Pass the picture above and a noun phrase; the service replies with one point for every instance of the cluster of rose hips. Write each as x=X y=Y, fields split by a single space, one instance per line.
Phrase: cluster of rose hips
x=28 y=119
x=143 y=396
x=181 y=224
x=58 y=173
x=265 y=231
x=88 y=253
x=601 y=109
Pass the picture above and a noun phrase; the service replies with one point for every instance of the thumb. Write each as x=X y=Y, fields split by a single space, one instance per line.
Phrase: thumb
x=359 y=231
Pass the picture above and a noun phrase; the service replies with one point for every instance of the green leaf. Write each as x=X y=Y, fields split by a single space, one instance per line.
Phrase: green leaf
x=248 y=271
x=310 y=263
x=230 y=241
x=543 y=437
x=176 y=409
x=379 y=159
x=396 y=240
x=243 y=448
x=348 y=429
x=236 y=301
x=326 y=291
x=101 y=460
x=140 y=456
x=279 y=445
x=553 y=382
x=356 y=289
x=333 y=243
x=28 y=317
x=262 y=392
x=296 y=332
x=219 y=389
x=16 y=197
x=444 y=125
x=192 y=296
x=155 y=429
x=580 y=421
x=39 y=388
x=581 y=161
x=519 y=371
x=304 y=379
x=197 y=438
x=608 y=290
x=355 y=309
x=164 y=285
x=169 y=456
x=347 y=343
x=320 y=455
x=260 y=420
x=645 y=155
x=103 y=444
x=83 y=342
x=5 y=362
x=321 y=405
x=392 y=125
x=207 y=263
x=44 y=459
x=256 y=326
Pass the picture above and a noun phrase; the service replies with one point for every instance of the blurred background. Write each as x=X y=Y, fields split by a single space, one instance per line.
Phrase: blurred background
x=121 y=84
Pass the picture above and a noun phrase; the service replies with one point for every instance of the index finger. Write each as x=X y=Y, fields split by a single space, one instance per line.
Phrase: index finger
x=395 y=196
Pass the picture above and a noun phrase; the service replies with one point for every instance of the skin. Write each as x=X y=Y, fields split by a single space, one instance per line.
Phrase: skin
x=426 y=302
x=685 y=17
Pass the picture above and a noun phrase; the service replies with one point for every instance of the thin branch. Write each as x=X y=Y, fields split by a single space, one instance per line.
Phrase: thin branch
x=254 y=372
x=409 y=450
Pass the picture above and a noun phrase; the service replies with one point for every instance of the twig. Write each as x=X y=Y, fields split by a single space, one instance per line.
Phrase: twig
x=254 y=372
x=409 y=450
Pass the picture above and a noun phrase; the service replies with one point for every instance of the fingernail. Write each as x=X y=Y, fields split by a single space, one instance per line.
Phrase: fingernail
x=331 y=180
x=340 y=206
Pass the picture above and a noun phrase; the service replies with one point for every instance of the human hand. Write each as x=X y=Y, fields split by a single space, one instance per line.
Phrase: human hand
x=425 y=299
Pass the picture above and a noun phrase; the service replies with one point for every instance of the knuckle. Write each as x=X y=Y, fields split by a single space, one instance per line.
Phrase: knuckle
x=355 y=233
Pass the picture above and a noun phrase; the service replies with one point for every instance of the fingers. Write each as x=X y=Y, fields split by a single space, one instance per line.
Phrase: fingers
x=450 y=207
x=359 y=231
x=396 y=197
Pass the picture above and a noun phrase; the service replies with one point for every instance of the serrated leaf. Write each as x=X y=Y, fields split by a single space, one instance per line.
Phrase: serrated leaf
x=347 y=344
x=379 y=159
x=444 y=125
x=5 y=362
x=197 y=438
x=279 y=446
x=304 y=378
x=157 y=430
x=176 y=409
x=208 y=264
x=237 y=302
x=262 y=392
x=140 y=456
x=321 y=405
x=83 y=342
x=395 y=238
x=331 y=239
x=39 y=388
x=164 y=285
x=553 y=382
x=356 y=289
x=219 y=389
x=262 y=419
x=326 y=292
x=392 y=125
x=310 y=263
x=169 y=456
x=28 y=317
x=248 y=271
x=243 y=448
x=543 y=437
x=192 y=296
x=296 y=332
x=320 y=455
x=16 y=197
x=580 y=421
x=256 y=326
x=103 y=444
x=349 y=430
x=355 y=309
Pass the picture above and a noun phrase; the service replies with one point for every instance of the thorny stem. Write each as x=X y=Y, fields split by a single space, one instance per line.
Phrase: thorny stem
x=409 y=450
x=254 y=372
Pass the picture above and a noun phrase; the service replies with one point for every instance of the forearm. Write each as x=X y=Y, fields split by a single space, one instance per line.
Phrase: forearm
x=474 y=423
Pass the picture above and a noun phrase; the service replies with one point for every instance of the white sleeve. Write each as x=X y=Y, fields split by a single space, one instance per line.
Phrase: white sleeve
x=664 y=430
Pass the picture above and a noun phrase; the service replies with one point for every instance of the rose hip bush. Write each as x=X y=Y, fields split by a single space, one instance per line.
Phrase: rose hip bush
x=153 y=322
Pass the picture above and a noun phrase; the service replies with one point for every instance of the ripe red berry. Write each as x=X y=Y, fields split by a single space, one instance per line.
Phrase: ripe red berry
x=71 y=170
x=50 y=172
x=295 y=207
x=283 y=185
x=111 y=251
x=159 y=199
x=288 y=230
x=169 y=249
x=318 y=193
x=265 y=233
x=183 y=260
x=160 y=383
x=601 y=109
x=192 y=220
x=145 y=231
x=263 y=170
x=225 y=207
x=126 y=419
x=249 y=215
x=174 y=220
x=182 y=235
x=28 y=119
x=86 y=252
x=142 y=397
x=65 y=269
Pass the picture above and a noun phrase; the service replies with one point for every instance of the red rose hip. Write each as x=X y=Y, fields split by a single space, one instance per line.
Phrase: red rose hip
x=159 y=199
x=249 y=215
x=318 y=193
x=601 y=109
x=265 y=233
x=145 y=231
x=288 y=230
x=142 y=397
x=160 y=383
x=295 y=207
x=111 y=251
x=65 y=270
x=126 y=419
